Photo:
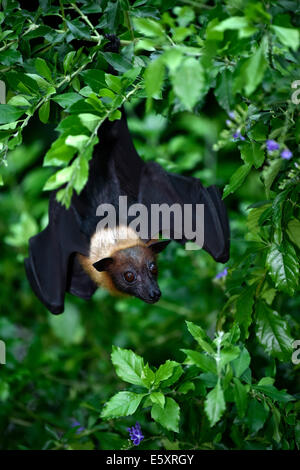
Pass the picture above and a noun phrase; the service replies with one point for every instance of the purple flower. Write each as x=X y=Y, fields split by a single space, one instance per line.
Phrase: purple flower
x=75 y=424
x=228 y=122
x=238 y=136
x=231 y=114
x=272 y=145
x=136 y=434
x=222 y=274
x=286 y=154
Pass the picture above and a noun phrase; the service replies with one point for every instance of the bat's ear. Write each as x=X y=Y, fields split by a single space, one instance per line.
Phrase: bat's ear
x=157 y=245
x=103 y=264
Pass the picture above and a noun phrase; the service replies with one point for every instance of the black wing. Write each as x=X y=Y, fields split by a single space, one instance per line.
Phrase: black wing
x=158 y=186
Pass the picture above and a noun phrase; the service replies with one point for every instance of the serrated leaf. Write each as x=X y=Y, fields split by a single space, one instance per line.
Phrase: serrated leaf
x=168 y=417
x=257 y=414
x=122 y=404
x=273 y=333
x=290 y=37
x=223 y=90
x=128 y=365
x=214 y=404
x=244 y=306
x=253 y=153
x=189 y=82
x=154 y=77
x=148 y=27
x=283 y=267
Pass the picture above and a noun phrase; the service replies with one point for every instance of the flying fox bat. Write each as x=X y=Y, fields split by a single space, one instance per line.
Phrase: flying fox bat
x=71 y=255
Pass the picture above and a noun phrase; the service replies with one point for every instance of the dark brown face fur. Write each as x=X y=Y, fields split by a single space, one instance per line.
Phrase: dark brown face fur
x=134 y=270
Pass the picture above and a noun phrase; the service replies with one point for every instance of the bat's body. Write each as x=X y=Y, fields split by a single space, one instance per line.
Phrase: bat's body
x=71 y=255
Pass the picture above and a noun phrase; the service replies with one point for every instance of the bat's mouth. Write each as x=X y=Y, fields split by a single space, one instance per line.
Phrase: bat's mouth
x=150 y=301
x=152 y=298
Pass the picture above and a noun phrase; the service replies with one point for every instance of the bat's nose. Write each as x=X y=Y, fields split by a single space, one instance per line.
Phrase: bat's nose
x=155 y=295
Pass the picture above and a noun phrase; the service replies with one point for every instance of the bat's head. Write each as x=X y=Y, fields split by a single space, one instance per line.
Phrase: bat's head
x=134 y=271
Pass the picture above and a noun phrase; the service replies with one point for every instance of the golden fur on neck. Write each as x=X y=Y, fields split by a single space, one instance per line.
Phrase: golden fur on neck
x=104 y=243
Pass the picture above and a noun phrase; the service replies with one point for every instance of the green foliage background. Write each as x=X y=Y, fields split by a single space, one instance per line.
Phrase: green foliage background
x=209 y=366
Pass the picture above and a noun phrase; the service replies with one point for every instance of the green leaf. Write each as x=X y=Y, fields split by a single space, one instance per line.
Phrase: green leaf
x=270 y=172
x=287 y=36
x=186 y=387
x=81 y=173
x=168 y=417
x=67 y=99
x=223 y=90
x=148 y=27
x=274 y=393
x=204 y=362
x=119 y=63
x=165 y=371
x=254 y=70
x=283 y=267
x=122 y=404
x=59 y=153
x=240 y=397
x=154 y=77
x=273 y=333
x=68 y=60
x=201 y=337
x=235 y=22
x=244 y=306
x=293 y=231
x=10 y=57
x=9 y=113
x=214 y=404
x=44 y=112
x=94 y=78
x=129 y=366
x=189 y=82
x=42 y=68
x=228 y=354
x=256 y=415
x=58 y=179
x=237 y=179
x=78 y=29
x=252 y=153
x=158 y=398
x=241 y=363
x=77 y=141
x=148 y=376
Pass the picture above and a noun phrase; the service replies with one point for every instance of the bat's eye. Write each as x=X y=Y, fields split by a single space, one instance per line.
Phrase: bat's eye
x=153 y=268
x=129 y=276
